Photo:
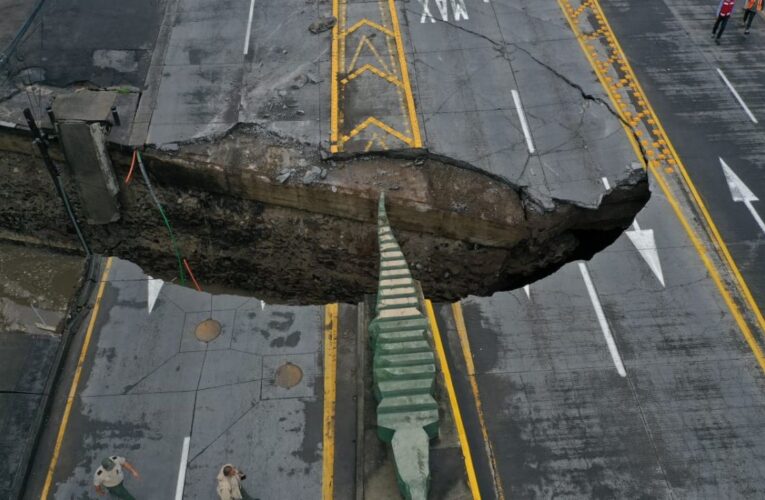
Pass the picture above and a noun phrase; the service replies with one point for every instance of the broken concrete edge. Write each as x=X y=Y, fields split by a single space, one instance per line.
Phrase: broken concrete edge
x=464 y=232
x=338 y=197
x=77 y=310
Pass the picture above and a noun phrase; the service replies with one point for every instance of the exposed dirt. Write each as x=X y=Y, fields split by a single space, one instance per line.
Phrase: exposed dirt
x=259 y=213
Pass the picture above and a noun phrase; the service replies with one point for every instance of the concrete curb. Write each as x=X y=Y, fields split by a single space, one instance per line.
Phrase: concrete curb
x=77 y=312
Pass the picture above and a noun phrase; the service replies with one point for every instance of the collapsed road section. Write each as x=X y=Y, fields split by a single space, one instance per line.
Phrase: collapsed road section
x=260 y=213
x=262 y=148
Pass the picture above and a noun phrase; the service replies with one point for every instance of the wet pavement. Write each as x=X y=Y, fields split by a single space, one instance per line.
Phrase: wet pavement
x=670 y=46
x=627 y=376
x=149 y=383
x=36 y=287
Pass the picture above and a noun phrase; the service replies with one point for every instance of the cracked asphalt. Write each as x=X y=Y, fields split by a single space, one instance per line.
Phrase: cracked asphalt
x=618 y=378
x=148 y=383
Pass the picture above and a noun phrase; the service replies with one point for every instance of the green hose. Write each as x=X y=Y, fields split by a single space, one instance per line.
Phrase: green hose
x=164 y=217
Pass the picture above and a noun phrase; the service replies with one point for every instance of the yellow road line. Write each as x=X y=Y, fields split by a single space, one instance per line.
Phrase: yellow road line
x=75 y=382
x=384 y=126
x=686 y=177
x=392 y=55
x=369 y=23
x=417 y=140
x=330 y=397
x=365 y=40
x=459 y=321
x=661 y=181
x=368 y=67
x=339 y=78
x=472 y=480
x=333 y=105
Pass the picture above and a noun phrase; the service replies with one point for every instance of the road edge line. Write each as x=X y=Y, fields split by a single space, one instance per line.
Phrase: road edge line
x=464 y=444
x=333 y=105
x=711 y=268
x=467 y=353
x=330 y=398
x=413 y=121
x=75 y=381
x=716 y=237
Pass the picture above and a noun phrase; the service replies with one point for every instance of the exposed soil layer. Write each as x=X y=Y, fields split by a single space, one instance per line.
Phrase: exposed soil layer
x=256 y=212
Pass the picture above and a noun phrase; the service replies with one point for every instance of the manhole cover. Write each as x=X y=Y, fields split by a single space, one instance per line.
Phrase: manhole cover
x=208 y=330
x=288 y=375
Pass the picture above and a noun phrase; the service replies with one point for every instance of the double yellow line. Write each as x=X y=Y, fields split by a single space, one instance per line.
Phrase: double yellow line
x=666 y=154
x=340 y=79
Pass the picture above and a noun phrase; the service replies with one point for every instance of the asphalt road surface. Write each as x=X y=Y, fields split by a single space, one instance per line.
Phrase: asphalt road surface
x=685 y=75
x=633 y=375
x=670 y=404
x=151 y=391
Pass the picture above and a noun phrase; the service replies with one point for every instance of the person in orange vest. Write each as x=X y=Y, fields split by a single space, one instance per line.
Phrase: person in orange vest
x=724 y=11
x=751 y=7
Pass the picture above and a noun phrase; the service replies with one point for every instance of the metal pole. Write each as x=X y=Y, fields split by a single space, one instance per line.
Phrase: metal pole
x=56 y=176
x=116 y=116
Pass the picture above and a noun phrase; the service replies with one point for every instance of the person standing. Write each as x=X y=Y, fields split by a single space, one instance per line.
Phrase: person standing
x=110 y=476
x=724 y=10
x=229 y=483
x=751 y=8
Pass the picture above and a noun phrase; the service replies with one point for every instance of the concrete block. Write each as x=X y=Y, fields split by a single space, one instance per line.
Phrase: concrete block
x=412 y=456
x=384 y=373
x=388 y=388
x=417 y=358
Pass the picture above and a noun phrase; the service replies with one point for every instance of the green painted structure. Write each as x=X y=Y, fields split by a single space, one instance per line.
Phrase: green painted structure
x=404 y=367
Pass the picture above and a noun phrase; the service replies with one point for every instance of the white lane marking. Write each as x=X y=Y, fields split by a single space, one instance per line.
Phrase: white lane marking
x=645 y=243
x=458 y=9
x=249 y=28
x=741 y=193
x=182 y=469
x=527 y=289
x=524 y=123
x=602 y=320
x=738 y=97
x=426 y=12
x=153 y=286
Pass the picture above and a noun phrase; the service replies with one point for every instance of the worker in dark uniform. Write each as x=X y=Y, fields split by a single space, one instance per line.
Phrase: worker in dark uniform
x=109 y=477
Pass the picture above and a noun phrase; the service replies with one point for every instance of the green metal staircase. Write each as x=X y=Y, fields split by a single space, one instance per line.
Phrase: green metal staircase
x=404 y=367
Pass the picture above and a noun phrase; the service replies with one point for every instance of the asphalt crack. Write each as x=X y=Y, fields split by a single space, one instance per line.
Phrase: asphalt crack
x=502 y=48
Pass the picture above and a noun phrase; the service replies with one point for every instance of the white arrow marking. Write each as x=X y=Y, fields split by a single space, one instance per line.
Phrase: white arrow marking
x=262 y=305
x=602 y=320
x=741 y=193
x=527 y=289
x=153 y=287
x=645 y=243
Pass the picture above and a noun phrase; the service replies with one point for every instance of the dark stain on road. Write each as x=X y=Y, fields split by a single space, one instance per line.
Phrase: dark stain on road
x=291 y=340
x=286 y=322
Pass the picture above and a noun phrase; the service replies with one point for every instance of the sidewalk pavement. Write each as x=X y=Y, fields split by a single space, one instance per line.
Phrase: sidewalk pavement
x=252 y=396
x=37 y=291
